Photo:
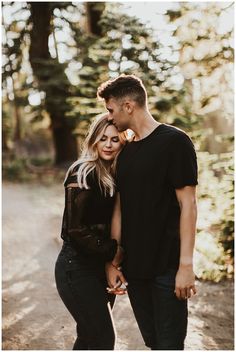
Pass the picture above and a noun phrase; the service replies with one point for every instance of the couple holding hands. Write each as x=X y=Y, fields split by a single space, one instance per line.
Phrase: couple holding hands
x=129 y=224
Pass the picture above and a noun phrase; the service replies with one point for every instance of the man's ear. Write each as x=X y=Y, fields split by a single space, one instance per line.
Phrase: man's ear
x=129 y=106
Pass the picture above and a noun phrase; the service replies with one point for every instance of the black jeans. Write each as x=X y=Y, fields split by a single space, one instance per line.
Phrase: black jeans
x=81 y=285
x=161 y=317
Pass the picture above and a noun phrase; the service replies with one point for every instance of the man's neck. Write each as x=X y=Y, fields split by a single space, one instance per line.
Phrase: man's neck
x=143 y=124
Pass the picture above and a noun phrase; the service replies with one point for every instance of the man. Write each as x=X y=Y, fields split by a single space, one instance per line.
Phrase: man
x=155 y=214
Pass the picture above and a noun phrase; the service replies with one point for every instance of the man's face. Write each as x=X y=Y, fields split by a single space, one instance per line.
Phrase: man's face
x=117 y=114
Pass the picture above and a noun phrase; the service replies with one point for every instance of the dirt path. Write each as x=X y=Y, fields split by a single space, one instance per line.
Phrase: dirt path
x=34 y=317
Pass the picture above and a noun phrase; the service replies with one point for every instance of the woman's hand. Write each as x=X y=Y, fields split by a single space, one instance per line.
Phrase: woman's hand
x=115 y=279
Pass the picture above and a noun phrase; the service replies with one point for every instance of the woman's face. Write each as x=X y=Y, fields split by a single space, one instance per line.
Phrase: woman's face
x=110 y=144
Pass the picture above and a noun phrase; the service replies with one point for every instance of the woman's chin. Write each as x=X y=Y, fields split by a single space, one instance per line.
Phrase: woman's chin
x=107 y=158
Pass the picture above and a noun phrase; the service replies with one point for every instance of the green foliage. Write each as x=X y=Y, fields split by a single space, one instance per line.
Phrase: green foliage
x=7 y=126
x=215 y=239
x=210 y=258
x=206 y=50
x=127 y=46
x=40 y=170
x=15 y=170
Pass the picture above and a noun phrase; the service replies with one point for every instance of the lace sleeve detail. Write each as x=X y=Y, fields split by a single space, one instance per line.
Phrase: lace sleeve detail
x=90 y=239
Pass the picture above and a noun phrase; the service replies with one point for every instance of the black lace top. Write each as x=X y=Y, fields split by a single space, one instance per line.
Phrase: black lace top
x=87 y=218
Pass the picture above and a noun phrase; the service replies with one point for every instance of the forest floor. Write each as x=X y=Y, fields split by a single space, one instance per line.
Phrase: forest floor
x=34 y=318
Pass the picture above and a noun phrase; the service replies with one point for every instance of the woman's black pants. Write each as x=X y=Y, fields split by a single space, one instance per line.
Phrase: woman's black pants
x=81 y=284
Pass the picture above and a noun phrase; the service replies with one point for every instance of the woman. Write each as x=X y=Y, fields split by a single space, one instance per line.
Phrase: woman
x=80 y=267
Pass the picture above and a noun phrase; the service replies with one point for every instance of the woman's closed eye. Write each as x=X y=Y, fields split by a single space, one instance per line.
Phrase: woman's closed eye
x=113 y=139
x=103 y=139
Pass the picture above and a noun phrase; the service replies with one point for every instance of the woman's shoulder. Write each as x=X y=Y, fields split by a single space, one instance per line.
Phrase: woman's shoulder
x=72 y=175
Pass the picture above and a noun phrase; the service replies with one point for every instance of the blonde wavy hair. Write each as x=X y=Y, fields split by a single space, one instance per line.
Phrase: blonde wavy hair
x=89 y=160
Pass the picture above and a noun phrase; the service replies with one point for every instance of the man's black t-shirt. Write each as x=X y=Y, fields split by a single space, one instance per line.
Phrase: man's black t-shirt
x=148 y=172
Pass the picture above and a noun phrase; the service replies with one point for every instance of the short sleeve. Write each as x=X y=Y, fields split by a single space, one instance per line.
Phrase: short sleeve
x=182 y=170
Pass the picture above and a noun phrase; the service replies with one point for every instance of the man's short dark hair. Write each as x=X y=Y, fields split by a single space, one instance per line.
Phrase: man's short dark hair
x=123 y=86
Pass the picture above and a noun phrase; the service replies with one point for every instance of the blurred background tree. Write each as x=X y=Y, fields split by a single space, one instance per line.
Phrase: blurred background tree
x=55 y=55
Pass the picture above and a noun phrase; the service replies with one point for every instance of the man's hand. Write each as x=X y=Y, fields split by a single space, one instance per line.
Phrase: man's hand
x=185 y=282
x=115 y=278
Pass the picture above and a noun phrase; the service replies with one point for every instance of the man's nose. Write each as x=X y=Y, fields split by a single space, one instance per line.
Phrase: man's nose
x=109 y=117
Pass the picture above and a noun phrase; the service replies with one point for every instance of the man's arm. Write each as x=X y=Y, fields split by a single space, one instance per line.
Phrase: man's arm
x=185 y=278
x=116 y=230
x=114 y=276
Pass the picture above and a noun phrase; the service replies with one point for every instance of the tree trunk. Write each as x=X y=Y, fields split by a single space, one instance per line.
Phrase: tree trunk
x=41 y=13
x=45 y=68
x=94 y=12
x=17 y=132
x=64 y=145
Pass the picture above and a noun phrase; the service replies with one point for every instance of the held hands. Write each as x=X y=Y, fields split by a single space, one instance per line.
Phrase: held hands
x=185 y=282
x=116 y=280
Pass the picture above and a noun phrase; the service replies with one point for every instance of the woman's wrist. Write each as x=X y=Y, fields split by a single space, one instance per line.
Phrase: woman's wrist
x=118 y=257
x=115 y=265
x=120 y=248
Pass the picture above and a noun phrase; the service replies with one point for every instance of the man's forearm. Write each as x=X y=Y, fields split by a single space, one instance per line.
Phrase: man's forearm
x=185 y=277
x=116 y=231
x=188 y=220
